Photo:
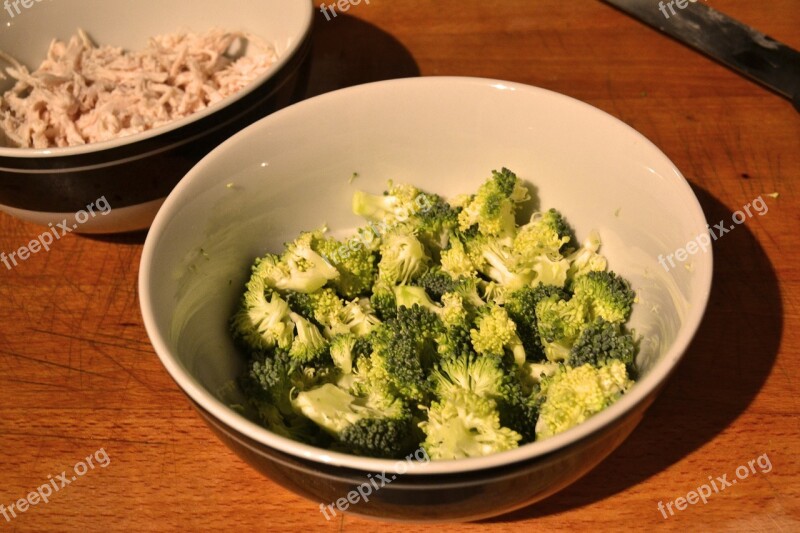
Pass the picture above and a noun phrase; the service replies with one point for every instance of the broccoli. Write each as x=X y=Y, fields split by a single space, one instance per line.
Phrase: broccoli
x=465 y=425
x=447 y=326
x=586 y=259
x=376 y=427
x=435 y=222
x=547 y=233
x=493 y=207
x=308 y=344
x=354 y=262
x=404 y=348
x=608 y=296
x=602 y=341
x=395 y=206
x=496 y=333
x=403 y=257
x=383 y=300
x=299 y=268
x=263 y=320
x=354 y=317
x=521 y=308
x=436 y=282
x=455 y=260
x=574 y=394
x=321 y=306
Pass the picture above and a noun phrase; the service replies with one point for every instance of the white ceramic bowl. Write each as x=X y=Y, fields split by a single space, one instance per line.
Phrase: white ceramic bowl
x=135 y=173
x=290 y=172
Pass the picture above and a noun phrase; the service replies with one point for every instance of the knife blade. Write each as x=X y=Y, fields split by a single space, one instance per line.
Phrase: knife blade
x=726 y=40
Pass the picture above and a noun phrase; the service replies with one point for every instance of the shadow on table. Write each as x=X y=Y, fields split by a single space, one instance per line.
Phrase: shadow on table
x=725 y=367
x=348 y=52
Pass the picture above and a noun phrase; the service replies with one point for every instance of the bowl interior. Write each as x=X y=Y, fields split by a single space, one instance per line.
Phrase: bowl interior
x=27 y=36
x=292 y=171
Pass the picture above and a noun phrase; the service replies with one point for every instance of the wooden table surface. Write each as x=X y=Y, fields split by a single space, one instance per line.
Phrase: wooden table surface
x=78 y=375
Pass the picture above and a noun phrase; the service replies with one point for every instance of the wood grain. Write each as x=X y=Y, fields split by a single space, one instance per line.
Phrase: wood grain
x=77 y=372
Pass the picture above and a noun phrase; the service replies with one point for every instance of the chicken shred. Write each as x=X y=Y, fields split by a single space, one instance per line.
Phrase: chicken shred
x=84 y=94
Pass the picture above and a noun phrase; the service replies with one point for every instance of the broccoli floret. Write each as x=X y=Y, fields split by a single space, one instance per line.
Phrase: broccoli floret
x=383 y=301
x=320 y=306
x=492 y=208
x=436 y=282
x=397 y=204
x=496 y=333
x=403 y=257
x=547 y=233
x=602 y=341
x=560 y=322
x=435 y=221
x=299 y=268
x=360 y=425
x=455 y=260
x=405 y=347
x=574 y=394
x=586 y=259
x=355 y=263
x=342 y=352
x=497 y=262
x=609 y=296
x=521 y=308
x=484 y=376
x=308 y=344
x=465 y=425
x=385 y=438
x=355 y=317
x=263 y=320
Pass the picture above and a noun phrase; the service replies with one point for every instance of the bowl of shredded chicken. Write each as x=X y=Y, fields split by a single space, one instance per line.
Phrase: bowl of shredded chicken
x=83 y=93
x=118 y=100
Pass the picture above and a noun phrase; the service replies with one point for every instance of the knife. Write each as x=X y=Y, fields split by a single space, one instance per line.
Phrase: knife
x=728 y=41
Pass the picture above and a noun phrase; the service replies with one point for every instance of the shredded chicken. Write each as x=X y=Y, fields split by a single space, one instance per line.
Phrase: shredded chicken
x=84 y=94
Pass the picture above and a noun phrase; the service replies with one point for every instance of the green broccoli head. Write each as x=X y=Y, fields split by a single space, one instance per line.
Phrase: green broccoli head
x=405 y=347
x=355 y=317
x=546 y=234
x=262 y=321
x=434 y=221
x=493 y=207
x=572 y=395
x=495 y=333
x=308 y=345
x=496 y=261
x=456 y=261
x=602 y=341
x=300 y=268
x=397 y=204
x=354 y=261
x=403 y=257
x=559 y=323
x=521 y=308
x=359 y=425
x=608 y=296
x=383 y=300
x=465 y=425
x=320 y=306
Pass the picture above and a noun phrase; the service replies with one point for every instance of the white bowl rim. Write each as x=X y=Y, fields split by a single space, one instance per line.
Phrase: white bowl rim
x=227 y=416
x=91 y=148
